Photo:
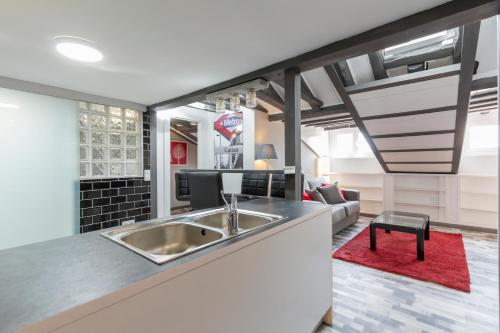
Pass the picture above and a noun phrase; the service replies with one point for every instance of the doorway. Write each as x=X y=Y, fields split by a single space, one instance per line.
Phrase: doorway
x=183 y=155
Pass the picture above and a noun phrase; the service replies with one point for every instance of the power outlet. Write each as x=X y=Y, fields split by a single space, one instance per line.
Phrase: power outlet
x=128 y=222
x=147 y=175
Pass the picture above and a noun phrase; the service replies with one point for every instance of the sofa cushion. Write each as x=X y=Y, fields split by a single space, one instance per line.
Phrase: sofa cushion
x=351 y=207
x=338 y=214
x=332 y=194
x=316 y=196
x=315 y=182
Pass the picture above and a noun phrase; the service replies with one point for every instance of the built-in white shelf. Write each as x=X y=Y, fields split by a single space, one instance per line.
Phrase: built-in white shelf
x=418 y=204
x=418 y=189
x=457 y=199
x=479 y=200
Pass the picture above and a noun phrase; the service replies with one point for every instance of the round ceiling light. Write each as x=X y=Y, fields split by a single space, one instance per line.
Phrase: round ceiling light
x=78 y=49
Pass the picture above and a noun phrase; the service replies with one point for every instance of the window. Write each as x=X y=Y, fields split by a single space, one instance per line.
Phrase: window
x=483 y=138
x=344 y=144
x=362 y=146
x=110 y=142
x=350 y=143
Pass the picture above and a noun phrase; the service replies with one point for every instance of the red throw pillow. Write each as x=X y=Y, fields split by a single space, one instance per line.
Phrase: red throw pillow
x=342 y=192
x=307 y=197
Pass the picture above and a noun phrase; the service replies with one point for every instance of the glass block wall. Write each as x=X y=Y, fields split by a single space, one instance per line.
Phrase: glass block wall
x=108 y=201
x=110 y=142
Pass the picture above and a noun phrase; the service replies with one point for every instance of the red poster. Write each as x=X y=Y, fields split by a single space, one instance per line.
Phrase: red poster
x=178 y=153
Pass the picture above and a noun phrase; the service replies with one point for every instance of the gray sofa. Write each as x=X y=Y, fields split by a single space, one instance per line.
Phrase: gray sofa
x=343 y=214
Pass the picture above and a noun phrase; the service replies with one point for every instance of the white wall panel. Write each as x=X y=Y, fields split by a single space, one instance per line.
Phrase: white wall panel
x=415 y=96
x=419 y=156
x=423 y=122
x=416 y=142
x=420 y=167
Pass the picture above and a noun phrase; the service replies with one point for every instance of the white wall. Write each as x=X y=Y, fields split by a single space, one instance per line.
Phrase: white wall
x=274 y=132
x=40 y=169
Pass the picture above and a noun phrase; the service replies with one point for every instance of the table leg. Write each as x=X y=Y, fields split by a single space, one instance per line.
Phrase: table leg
x=373 y=237
x=420 y=244
x=427 y=232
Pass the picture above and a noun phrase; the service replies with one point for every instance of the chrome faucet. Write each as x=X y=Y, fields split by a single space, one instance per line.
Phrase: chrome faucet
x=232 y=214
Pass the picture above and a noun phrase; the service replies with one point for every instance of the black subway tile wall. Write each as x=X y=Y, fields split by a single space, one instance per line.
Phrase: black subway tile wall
x=106 y=203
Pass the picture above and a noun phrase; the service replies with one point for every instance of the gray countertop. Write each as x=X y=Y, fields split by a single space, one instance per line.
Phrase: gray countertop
x=41 y=280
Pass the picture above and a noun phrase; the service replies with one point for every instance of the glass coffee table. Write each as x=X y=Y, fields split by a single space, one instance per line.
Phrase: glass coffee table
x=412 y=223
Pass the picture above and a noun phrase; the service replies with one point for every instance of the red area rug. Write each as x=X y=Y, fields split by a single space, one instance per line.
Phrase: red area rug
x=445 y=261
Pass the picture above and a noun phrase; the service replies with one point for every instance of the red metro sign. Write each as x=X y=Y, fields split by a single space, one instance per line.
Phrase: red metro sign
x=229 y=125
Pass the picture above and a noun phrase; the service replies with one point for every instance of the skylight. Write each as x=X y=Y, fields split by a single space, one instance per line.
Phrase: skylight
x=438 y=40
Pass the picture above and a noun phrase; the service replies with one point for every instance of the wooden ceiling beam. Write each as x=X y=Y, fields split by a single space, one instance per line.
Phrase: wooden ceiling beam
x=349 y=105
x=342 y=67
x=465 y=84
x=377 y=63
x=484 y=83
x=445 y=16
x=270 y=96
x=311 y=113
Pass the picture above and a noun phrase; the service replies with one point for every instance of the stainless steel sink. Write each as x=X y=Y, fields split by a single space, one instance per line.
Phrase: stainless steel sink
x=171 y=238
x=165 y=240
x=247 y=220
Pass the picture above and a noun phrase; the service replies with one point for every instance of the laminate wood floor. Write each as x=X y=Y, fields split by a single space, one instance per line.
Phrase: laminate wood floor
x=369 y=300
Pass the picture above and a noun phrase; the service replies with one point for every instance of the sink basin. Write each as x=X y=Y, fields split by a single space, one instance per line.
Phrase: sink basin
x=162 y=241
x=171 y=238
x=247 y=220
x=165 y=240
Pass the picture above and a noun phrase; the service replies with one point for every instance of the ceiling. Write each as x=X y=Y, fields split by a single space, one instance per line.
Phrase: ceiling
x=165 y=49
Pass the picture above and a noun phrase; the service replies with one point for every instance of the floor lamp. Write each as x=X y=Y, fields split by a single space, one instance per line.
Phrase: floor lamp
x=266 y=152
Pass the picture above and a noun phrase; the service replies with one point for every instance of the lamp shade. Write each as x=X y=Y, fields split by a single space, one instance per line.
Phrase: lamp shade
x=265 y=151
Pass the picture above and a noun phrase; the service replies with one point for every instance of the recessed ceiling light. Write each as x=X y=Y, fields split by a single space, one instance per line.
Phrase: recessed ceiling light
x=78 y=49
x=9 y=106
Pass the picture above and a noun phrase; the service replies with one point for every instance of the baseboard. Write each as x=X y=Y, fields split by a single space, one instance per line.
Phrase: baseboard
x=464 y=227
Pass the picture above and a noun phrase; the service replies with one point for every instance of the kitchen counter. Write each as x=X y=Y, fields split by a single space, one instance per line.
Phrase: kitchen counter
x=44 y=279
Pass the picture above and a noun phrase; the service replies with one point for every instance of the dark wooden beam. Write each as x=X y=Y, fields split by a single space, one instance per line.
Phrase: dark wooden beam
x=495 y=108
x=469 y=48
x=332 y=123
x=484 y=83
x=270 y=96
x=399 y=135
x=188 y=137
x=405 y=79
x=308 y=96
x=457 y=50
x=293 y=180
x=377 y=62
x=446 y=16
x=325 y=120
x=323 y=112
x=331 y=128
x=337 y=83
x=473 y=106
x=342 y=67
x=410 y=113
x=479 y=95
x=414 y=150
